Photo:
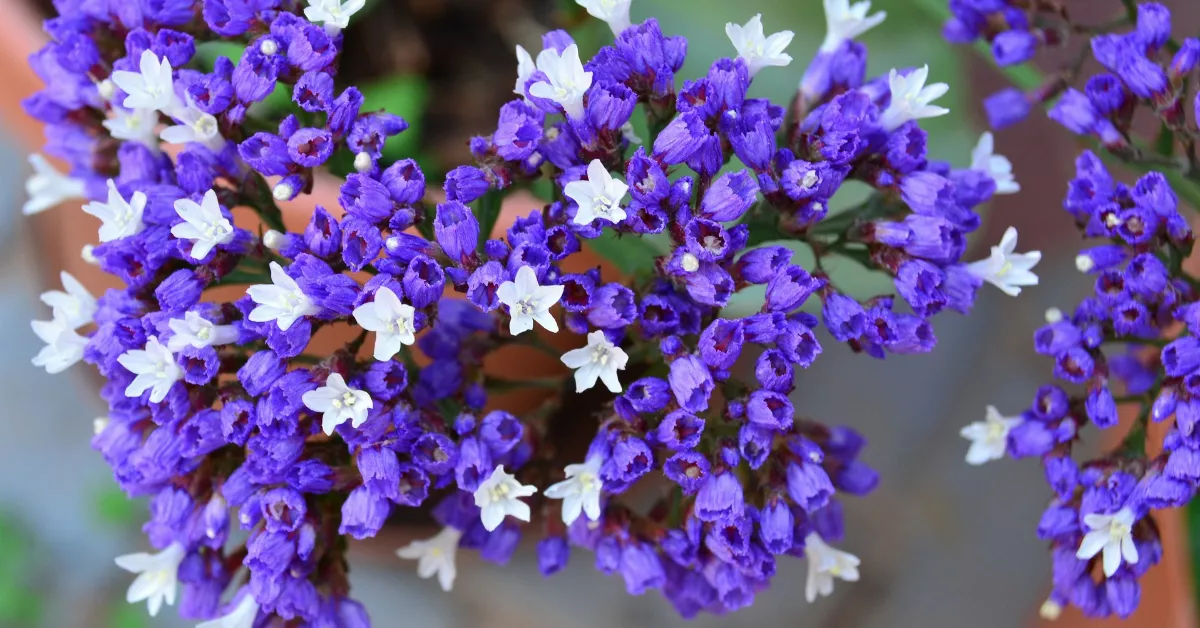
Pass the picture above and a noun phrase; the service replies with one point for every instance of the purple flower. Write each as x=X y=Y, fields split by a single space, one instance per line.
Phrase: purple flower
x=691 y=382
x=808 y=485
x=720 y=497
x=457 y=230
x=790 y=288
x=553 y=553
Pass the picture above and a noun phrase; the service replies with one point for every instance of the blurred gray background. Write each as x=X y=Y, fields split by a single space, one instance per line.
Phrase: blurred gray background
x=942 y=544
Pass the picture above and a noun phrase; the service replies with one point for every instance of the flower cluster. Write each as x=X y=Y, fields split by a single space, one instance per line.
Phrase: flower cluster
x=1144 y=67
x=1135 y=334
x=224 y=413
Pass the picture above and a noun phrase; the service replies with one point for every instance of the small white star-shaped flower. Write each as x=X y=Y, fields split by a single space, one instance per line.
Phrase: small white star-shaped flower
x=281 y=301
x=615 y=13
x=756 y=49
x=1111 y=534
x=568 y=81
x=74 y=304
x=134 y=125
x=598 y=196
x=152 y=87
x=998 y=167
x=203 y=222
x=194 y=126
x=64 y=347
x=334 y=14
x=580 y=492
x=435 y=556
x=47 y=187
x=155 y=369
x=120 y=218
x=157 y=576
x=989 y=437
x=196 y=331
x=528 y=302
x=600 y=359
x=525 y=70
x=390 y=319
x=499 y=496
x=845 y=22
x=911 y=99
x=824 y=564
x=1005 y=269
x=242 y=615
x=338 y=403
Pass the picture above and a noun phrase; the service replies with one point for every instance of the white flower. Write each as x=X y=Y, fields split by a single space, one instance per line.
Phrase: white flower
x=600 y=359
x=63 y=347
x=274 y=240
x=614 y=12
x=196 y=331
x=580 y=492
x=1005 y=269
x=391 y=320
x=757 y=50
x=47 y=187
x=824 y=564
x=134 y=125
x=363 y=162
x=283 y=191
x=498 y=496
x=599 y=196
x=567 y=80
x=1112 y=534
x=194 y=126
x=988 y=437
x=911 y=98
x=202 y=222
x=242 y=615
x=121 y=218
x=76 y=306
x=282 y=301
x=99 y=423
x=338 y=403
x=157 y=576
x=1050 y=610
x=106 y=89
x=845 y=22
x=528 y=302
x=629 y=134
x=998 y=167
x=155 y=368
x=334 y=14
x=525 y=70
x=435 y=556
x=151 y=87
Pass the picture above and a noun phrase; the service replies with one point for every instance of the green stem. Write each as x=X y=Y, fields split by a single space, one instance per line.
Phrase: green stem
x=535 y=342
x=503 y=385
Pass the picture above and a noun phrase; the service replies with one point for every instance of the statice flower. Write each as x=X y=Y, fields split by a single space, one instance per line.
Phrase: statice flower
x=1127 y=355
x=278 y=394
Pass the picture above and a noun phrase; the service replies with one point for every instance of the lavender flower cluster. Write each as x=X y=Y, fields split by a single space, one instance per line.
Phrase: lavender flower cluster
x=1138 y=331
x=261 y=456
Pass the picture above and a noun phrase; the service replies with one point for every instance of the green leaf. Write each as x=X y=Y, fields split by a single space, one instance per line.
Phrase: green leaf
x=208 y=51
x=487 y=210
x=127 y=616
x=632 y=254
x=113 y=507
x=402 y=95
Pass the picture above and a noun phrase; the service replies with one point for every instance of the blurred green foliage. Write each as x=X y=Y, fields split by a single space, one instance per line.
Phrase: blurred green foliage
x=20 y=605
